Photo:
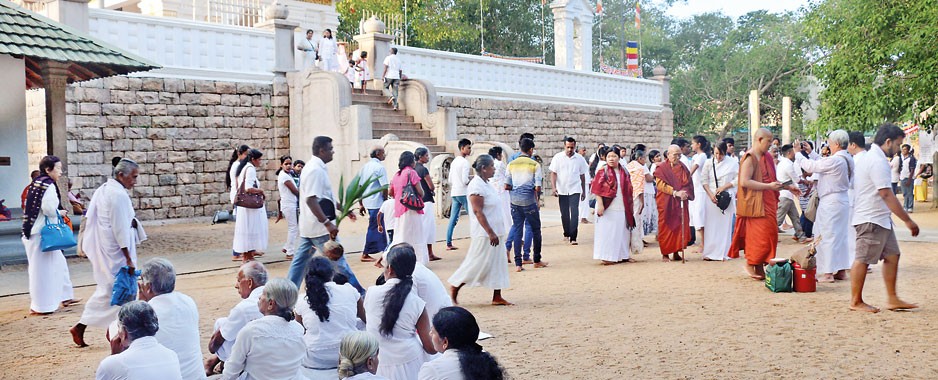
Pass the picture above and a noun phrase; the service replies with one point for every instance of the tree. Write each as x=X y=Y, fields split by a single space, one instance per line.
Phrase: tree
x=879 y=61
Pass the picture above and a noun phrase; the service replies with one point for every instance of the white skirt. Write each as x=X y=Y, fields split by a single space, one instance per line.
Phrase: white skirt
x=404 y=371
x=650 y=215
x=585 y=211
x=410 y=230
x=636 y=245
x=506 y=212
x=250 y=230
x=698 y=207
x=49 y=281
x=719 y=232
x=833 y=227
x=429 y=219
x=483 y=266
x=611 y=237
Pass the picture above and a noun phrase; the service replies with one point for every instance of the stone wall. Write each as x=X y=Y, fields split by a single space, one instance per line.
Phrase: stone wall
x=181 y=132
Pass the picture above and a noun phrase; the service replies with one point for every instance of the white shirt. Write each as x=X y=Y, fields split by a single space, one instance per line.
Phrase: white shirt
x=244 y=312
x=727 y=172
x=374 y=169
x=288 y=201
x=233 y=193
x=459 y=176
x=905 y=168
x=267 y=348
x=833 y=172
x=686 y=161
x=568 y=170
x=699 y=159
x=445 y=367
x=366 y=376
x=387 y=211
x=786 y=171
x=179 y=331
x=327 y=48
x=144 y=359
x=394 y=65
x=322 y=339
x=618 y=203
x=403 y=345
x=431 y=290
x=492 y=208
x=314 y=181
x=894 y=168
x=872 y=174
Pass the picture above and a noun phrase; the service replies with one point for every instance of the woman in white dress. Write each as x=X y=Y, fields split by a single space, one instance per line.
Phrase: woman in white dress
x=397 y=316
x=614 y=225
x=454 y=333
x=328 y=312
x=49 y=282
x=698 y=210
x=328 y=60
x=270 y=347
x=585 y=203
x=410 y=223
x=719 y=174
x=251 y=224
x=289 y=203
x=498 y=183
x=638 y=176
x=362 y=72
x=358 y=357
x=483 y=265
x=650 y=213
x=236 y=156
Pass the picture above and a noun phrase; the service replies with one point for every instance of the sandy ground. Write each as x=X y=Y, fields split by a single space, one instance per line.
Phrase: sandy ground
x=579 y=320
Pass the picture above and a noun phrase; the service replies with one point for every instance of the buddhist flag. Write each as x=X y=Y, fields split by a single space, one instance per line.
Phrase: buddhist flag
x=599 y=7
x=631 y=55
x=638 y=16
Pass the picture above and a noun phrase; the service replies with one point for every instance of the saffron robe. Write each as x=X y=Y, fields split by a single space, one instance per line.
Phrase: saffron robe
x=671 y=210
x=758 y=237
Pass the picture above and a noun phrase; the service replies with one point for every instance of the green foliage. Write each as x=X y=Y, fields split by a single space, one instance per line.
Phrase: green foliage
x=356 y=191
x=879 y=60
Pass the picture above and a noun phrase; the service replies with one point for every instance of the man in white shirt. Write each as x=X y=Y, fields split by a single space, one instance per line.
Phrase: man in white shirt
x=393 y=71
x=318 y=209
x=876 y=238
x=788 y=174
x=375 y=242
x=250 y=284
x=177 y=313
x=459 y=183
x=135 y=352
x=568 y=178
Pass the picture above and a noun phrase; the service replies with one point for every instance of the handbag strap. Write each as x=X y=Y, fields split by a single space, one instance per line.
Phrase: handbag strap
x=715 y=177
x=849 y=170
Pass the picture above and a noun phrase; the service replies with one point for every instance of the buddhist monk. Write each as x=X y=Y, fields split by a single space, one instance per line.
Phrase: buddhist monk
x=756 y=230
x=675 y=188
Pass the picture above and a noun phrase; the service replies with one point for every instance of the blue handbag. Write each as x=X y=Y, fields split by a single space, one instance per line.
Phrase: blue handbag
x=125 y=286
x=56 y=236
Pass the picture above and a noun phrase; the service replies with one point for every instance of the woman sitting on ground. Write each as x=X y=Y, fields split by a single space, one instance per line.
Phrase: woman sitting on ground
x=358 y=357
x=454 y=333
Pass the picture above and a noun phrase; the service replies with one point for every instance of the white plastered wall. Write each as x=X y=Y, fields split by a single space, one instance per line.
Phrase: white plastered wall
x=13 y=178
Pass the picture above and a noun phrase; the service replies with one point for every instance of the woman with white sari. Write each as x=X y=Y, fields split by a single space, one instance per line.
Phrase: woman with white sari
x=718 y=174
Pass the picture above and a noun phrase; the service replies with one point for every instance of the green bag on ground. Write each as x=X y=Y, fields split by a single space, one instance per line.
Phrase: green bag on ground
x=778 y=278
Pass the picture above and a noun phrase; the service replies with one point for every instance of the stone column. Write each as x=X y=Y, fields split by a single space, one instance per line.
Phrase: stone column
x=786 y=120
x=585 y=35
x=666 y=119
x=276 y=15
x=55 y=77
x=755 y=120
x=73 y=13
x=376 y=43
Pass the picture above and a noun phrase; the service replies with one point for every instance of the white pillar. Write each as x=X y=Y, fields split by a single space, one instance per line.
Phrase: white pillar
x=786 y=120
x=754 y=118
x=276 y=15
x=563 y=38
x=73 y=13
x=586 y=44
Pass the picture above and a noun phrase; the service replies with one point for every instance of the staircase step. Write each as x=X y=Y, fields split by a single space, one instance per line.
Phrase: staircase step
x=369 y=97
x=401 y=118
x=404 y=134
x=385 y=112
x=372 y=101
x=406 y=126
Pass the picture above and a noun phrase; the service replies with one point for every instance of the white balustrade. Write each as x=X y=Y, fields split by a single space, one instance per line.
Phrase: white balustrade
x=454 y=74
x=189 y=49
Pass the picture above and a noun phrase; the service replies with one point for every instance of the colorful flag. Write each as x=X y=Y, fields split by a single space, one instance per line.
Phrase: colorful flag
x=631 y=55
x=599 y=7
x=638 y=16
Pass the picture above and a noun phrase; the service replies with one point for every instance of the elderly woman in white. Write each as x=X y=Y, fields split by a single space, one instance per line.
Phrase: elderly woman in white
x=719 y=174
x=135 y=352
x=250 y=238
x=832 y=223
x=271 y=347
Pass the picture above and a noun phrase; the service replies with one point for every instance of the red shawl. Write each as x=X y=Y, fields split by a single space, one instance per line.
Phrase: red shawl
x=678 y=177
x=604 y=186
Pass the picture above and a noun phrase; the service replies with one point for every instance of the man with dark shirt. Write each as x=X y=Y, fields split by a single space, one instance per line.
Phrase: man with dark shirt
x=429 y=213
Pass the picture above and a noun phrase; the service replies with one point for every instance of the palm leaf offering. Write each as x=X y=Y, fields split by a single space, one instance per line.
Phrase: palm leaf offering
x=356 y=190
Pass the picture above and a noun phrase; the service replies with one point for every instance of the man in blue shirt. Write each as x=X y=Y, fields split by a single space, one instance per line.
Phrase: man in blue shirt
x=375 y=242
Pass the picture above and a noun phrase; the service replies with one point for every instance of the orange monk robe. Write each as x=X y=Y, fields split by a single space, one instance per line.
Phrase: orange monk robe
x=669 y=179
x=758 y=237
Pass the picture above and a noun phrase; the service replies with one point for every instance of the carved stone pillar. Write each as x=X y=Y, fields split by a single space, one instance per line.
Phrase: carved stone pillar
x=376 y=43
x=55 y=77
x=277 y=14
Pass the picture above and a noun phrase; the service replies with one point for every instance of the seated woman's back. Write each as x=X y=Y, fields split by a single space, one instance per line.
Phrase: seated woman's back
x=322 y=338
x=402 y=345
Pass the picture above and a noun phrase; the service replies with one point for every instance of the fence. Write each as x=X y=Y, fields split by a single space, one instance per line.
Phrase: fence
x=394 y=23
x=245 y=13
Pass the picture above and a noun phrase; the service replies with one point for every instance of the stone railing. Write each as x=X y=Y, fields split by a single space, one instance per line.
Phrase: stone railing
x=189 y=49
x=463 y=75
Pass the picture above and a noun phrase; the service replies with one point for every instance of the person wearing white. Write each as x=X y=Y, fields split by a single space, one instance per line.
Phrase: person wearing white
x=251 y=224
x=375 y=241
x=585 y=203
x=397 y=316
x=327 y=49
x=270 y=347
x=410 y=222
x=459 y=181
x=857 y=149
x=787 y=172
x=431 y=290
x=498 y=182
x=568 y=172
x=650 y=213
x=135 y=352
x=719 y=173
x=894 y=165
x=250 y=284
x=390 y=222
x=177 y=313
x=49 y=282
x=422 y=155
x=328 y=312
x=110 y=241
x=483 y=265
x=454 y=333
x=309 y=51
x=358 y=357
x=834 y=176
x=638 y=177
x=393 y=69
x=613 y=237
x=289 y=203
x=698 y=206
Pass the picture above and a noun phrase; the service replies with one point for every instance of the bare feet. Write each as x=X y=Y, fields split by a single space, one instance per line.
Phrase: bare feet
x=826 y=278
x=288 y=257
x=71 y=302
x=453 y=293
x=900 y=305
x=605 y=262
x=676 y=257
x=864 y=307
x=237 y=258
x=665 y=258
x=367 y=259
x=257 y=254
x=497 y=302
x=435 y=258
x=78 y=335
x=754 y=274
x=841 y=275
x=542 y=264
x=584 y=221
x=451 y=248
x=519 y=268
x=528 y=261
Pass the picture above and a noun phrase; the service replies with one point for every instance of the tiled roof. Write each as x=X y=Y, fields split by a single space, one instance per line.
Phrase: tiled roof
x=36 y=38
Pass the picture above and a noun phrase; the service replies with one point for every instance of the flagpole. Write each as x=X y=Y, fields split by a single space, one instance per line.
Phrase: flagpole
x=482 y=26
x=601 y=36
x=639 y=27
x=543 y=35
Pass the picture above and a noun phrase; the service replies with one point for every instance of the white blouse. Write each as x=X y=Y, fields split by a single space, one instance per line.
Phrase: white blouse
x=492 y=208
x=323 y=338
x=727 y=172
x=288 y=200
x=403 y=345
x=267 y=348
x=445 y=367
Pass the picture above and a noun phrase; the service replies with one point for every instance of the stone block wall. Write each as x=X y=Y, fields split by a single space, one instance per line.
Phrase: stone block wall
x=180 y=131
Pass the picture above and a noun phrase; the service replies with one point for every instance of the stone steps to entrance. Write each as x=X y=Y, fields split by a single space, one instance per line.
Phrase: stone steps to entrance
x=390 y=118
x=385 y=120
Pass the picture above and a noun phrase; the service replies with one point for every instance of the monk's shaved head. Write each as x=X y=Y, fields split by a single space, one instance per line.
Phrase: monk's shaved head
x=764 y=133
x=762 y=140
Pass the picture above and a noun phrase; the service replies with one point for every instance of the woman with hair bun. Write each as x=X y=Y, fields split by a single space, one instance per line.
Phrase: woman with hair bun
x=410 y=223
x=358 y=357
x=454 y=333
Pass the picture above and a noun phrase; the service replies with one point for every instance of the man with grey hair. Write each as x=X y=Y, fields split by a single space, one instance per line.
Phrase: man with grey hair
x=250 y=285
x=135 y=352
x=178 y=314
x=833 y=213
x=110 y=242
x=375 y=241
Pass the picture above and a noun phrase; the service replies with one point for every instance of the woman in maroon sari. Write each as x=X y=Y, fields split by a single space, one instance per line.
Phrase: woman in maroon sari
x=614 y=217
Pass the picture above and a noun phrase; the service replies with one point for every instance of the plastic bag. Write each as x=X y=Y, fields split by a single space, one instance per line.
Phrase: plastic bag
x=125 y=286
